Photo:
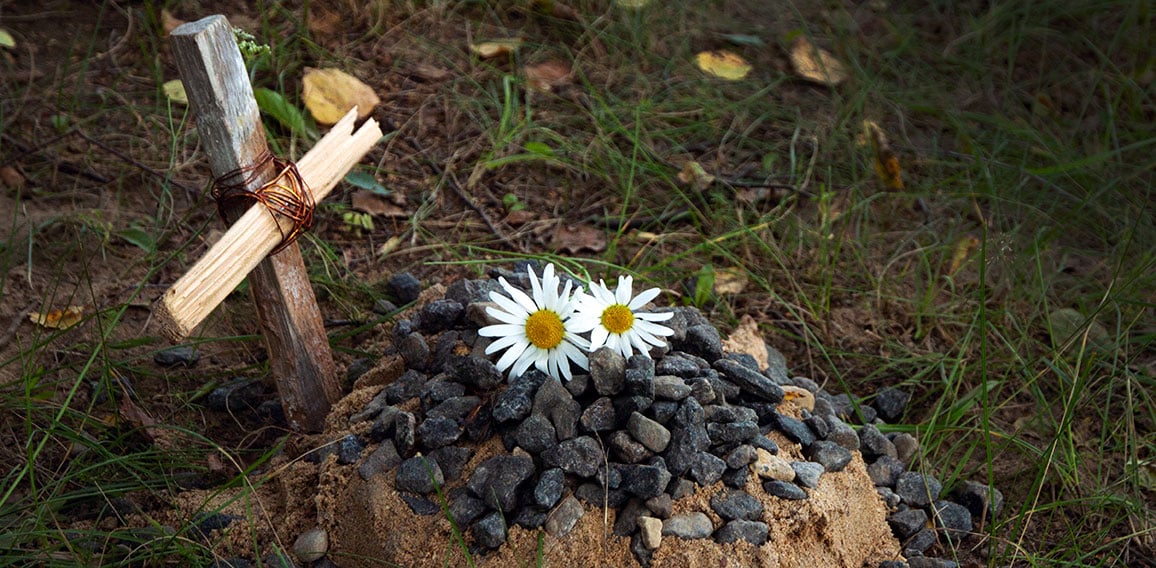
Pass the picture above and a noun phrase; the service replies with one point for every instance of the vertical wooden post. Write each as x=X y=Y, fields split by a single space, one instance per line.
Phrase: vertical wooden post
x=230 y=126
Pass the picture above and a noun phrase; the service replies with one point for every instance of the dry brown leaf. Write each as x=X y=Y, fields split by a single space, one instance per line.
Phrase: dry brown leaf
x=693 y=174
x=170 y=22
x=431 y=73
x=963 y=249
x=330 y=93
x=520 y=217
x=816 y=64
x=137 y=416
x=325 y=22
x=723 y=64
x=494 y=48
x=548 y=75
x=575 y=238
x=376 y=204
x=886 y=163
x=58 y=319
x=746 y=339
x=11 y=178
x=730 y=280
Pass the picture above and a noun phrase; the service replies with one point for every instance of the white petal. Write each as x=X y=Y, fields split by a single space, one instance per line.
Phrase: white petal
x=575 y=355
x=507 y=317
x=644 y=298
x=513 y=354
x=598 y=337
x=625 y=284
x=653 y=328
x=506 y=342
x=654 y=316
x=523 y=300
x=501 y=330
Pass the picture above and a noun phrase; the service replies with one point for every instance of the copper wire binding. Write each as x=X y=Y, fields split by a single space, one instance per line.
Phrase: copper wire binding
x=285 y=195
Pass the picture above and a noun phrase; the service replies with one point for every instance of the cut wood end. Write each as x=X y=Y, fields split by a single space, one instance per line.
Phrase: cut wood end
x=170 y=327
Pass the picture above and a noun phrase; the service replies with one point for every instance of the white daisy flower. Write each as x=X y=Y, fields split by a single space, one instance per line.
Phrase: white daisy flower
x=613 y=319
x=536 y=331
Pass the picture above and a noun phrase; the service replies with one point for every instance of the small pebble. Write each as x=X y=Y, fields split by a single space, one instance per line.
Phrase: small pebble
x=807 y=474
x=651 y=529
x=731 y=505
x=833 y=457
x=490 y=531
x=905 y=447
x=784 y=490
x=562 y=519
x=688 y=525
x=754 y=532
x=917 y=489
x=182 y=355
x=768 y=466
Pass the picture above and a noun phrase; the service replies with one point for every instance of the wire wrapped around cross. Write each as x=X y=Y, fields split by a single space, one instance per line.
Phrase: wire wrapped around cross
x=285 y=195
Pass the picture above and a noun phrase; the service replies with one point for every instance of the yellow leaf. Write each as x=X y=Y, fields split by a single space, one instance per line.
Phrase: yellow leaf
x=722 y=64
x=6 y=39
x=494 y=48
x=330 y=94
x=886 y=163
x=963 y=249
x=175 y=91
x=58 y=319
x=694 y=174
x=729 y=280
x=816 y=64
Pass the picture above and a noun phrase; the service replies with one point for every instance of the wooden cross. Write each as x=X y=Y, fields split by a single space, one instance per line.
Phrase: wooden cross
x=229 y=123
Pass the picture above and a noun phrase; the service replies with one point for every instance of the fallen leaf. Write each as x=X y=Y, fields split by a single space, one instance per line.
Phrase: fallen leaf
x=1144 y=470
x=376 y=204
x=58 y=319
x=11 y=178
x=799 y=396
x=170 y=22
x=1068 y=324
x=548 y=75
x=140 y=418
x=6 y=39
x=730 y=280
x=330 y=93
x=722 y=64
x=693 y=173
x=175 y=91
x=324 y=22
x=963 y=249
x=432 y=73
x=494 y=48
x=390 y=245
x=631 y=4
x=886 y=163
x=816 y=64
x=746 y=339
x=520 y=217
x=575 y=238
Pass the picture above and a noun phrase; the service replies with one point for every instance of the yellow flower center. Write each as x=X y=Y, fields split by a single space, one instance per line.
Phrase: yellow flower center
x=617 y=319
x=544 y=329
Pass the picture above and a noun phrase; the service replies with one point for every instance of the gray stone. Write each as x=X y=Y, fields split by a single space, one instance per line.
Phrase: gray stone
x=731 y=432
x=889 y=497
x=907 y=522
x=599 y=416
x=689 y=526
x=661 y=506
x=414 y=350
x=891 y=403
x=703 y=340
x=736 y=478
x=687 y=438
x=818 y=426
x=465 y=290
x=750 y=380
x=311 y=545
x=707 y=468
x=662 y=411
x=731 y=505
x=578 y=384
x=985 y=503
x=741 y=456
x=383 y=425
x=842 y=433
x=455 y=408
x=776 y=366
x=419 y=474
x=383 y=459
x=951 y=518
x=649 y=433
x=356 y=369
x=371 y=410
x=765 y=443
x=580 y=456
x=917 y=489
x=729 y=413
x=794 y=430
x=872 y=443
x=349 y=449
x=517 y=400
x=473 y=371
x=530 y=518
x=885 y=471
x=754 y=532
x=680 y=488
x=549 y=488
x=498 y=480
x=607 y=371
x=438 y=432
x=807 y=474
x=670 y=387
x=439 y=315
x=807 y=384
x=464 y=508
x=452 y=460
x=627 y=449
x=182 y=355
x=420 y=505
x=535 y=434
x=404 y=287
x=784 y=490
x=919 y=543
x=830 y=455
x=555 y=402
x=906 y=446
x=598 y=495
x=626 y=521
x=562 y=519
x=490 y=531
x=439 y=390
x=678 y=365
x=407 y=386
x=644 y=481
x=703 y=391
x=930 y=562
x=650 y=530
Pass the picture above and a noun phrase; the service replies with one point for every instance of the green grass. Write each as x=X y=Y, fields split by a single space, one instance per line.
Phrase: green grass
x=1025 y=125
